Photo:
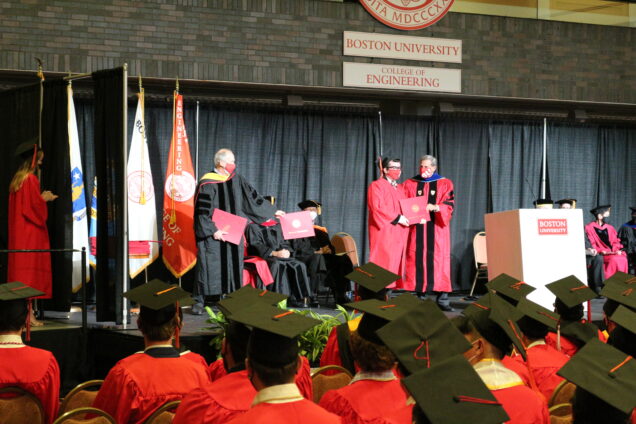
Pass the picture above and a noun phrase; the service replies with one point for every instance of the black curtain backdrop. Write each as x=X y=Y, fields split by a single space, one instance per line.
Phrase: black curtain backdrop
x=108 y=129
x=330 y=156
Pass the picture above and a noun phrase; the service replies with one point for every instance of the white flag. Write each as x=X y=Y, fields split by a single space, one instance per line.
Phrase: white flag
x=78 y=196
x=142 y=216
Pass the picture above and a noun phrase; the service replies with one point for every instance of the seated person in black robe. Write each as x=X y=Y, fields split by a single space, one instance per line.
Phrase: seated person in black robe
x=290 y=275
x=325 y=269
x=627 y=234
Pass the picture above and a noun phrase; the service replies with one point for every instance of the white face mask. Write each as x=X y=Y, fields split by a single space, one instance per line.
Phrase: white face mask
x=313 y=215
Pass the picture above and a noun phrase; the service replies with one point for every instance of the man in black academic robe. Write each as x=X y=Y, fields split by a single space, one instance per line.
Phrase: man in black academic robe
x=290 y=275
x=325 y=269
x=219 y=263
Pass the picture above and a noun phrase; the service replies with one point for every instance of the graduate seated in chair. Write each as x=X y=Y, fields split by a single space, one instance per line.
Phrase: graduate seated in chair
x=290 y=275
x=272 y=363
x=323 y=266
x=139 y=384
x=605 y=241
x=34 y=370
x=627 y=234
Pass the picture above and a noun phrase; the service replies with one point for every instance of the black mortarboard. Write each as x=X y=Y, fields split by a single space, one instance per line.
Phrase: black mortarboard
x=604 y=371
x=17 y=290
x=621 y=287
x=452 y=392
x=378 y=313
x=571 y=291
x=247 y=295
x=626 y=318
x=158 y=301
x=581 y=331
x=273 y=341
x=538 y=313
x=543 y=202
x=510 y=288
x=422 y=337
x=600 y=209
x=372 y=277
x=311 y=204
x=571 y=202
x=25 y=150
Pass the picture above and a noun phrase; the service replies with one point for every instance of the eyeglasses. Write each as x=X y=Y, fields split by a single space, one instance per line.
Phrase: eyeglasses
x=395 y=167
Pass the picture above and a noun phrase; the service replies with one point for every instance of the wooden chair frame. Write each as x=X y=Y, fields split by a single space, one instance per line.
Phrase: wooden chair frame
x=77 y=389
x=166 y=407
x=19 y=391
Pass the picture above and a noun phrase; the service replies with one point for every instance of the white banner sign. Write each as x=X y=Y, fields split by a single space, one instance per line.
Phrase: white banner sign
x=401 y=47
x=394 y=77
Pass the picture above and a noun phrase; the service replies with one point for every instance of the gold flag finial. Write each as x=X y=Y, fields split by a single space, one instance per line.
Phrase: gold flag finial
x=177 y=83
x=40 y=69
x=140 y=85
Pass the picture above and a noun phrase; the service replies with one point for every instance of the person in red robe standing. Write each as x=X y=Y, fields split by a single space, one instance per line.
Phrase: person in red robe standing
x=388 y=228
x=139 y=384
x=272 y=363
x=605 y=241
x=27 y=224
x=34 y=370
x=428 y=248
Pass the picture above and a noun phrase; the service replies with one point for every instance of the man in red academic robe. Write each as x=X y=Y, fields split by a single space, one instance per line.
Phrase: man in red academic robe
x=139 y=384
x=605 y=241
x=428 y=248
x=34 y=370
x=387 y=226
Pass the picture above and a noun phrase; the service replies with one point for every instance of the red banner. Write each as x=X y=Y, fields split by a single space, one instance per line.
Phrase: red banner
x=179 y=247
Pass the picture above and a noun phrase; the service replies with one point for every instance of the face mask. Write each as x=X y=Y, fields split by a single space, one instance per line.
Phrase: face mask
x=394 y=174
x=313 y=215
x=426 y=172
x=230 y=167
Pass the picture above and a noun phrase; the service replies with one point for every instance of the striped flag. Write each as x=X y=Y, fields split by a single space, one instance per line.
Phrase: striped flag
x=179 y=248
x=142 y=215
x=80 y=218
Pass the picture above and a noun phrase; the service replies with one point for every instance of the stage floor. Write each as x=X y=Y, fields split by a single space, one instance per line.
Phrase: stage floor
x=106 y=343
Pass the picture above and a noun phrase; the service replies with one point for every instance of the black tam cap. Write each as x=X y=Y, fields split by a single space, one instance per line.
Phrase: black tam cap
x=600 y=209
x=275 y=331
x=311 y=204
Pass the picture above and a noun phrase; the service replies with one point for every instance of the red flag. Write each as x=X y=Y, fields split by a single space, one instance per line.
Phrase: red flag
x=179 y=247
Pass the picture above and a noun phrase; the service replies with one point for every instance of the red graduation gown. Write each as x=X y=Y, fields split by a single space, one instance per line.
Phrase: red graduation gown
x=139 y=384
x=194 y=357
x=27 y=230
x=387 y=238
x=523 y=405
x=364 y=400
x=518 y=366
x=298 y=412
x=428 y=248
x=611 y=263
x=34 y=370
x=218 y=402
x=543 y=362
x=216 y=371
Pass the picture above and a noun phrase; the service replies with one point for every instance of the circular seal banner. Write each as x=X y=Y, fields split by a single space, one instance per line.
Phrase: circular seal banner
x=180 y=188
x=407 y=14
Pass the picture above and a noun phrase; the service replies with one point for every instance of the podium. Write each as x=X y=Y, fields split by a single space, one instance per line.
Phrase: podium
x=537 y=246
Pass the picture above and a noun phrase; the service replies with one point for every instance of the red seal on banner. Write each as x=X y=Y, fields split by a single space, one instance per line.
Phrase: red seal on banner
x=407 y=14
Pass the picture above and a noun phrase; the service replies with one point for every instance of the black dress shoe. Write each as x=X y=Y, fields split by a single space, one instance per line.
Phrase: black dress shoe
x=314 y=303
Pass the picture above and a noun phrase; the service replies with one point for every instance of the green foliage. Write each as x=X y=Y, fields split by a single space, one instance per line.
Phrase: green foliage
x=312 y=342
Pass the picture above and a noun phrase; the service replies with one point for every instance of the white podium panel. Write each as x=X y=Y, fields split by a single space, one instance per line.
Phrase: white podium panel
x=537 y=246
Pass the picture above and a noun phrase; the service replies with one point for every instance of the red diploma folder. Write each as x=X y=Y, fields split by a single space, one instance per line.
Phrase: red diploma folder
x=297 y=225
x=414 y=209
x=234 y=225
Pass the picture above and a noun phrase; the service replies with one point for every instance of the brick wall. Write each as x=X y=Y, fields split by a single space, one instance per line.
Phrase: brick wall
x=300 y=42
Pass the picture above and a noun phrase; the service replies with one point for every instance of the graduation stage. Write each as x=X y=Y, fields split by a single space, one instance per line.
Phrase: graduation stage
x=107 y=343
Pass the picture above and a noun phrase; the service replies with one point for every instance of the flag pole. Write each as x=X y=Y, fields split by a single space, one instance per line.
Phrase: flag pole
x=543 y=164
x=124 y=188
x=196 y=147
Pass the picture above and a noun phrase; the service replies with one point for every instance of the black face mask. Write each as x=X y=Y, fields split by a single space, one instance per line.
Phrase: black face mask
x=634 y=218
x=606 y=220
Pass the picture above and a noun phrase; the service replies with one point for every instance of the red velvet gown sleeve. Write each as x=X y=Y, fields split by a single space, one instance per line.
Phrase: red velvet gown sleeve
x=27 y=230
x=34 y=370
x=523 y=405
x=303 y=379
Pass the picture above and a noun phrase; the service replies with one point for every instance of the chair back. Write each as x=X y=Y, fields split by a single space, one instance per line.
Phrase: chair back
x=81 y=396
x=345 y=244
x=17 y=406
x=78 y=416
x=322 y=383
x=561 y=414
x=479 y=248
x=563 y=393
x=164 y=414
